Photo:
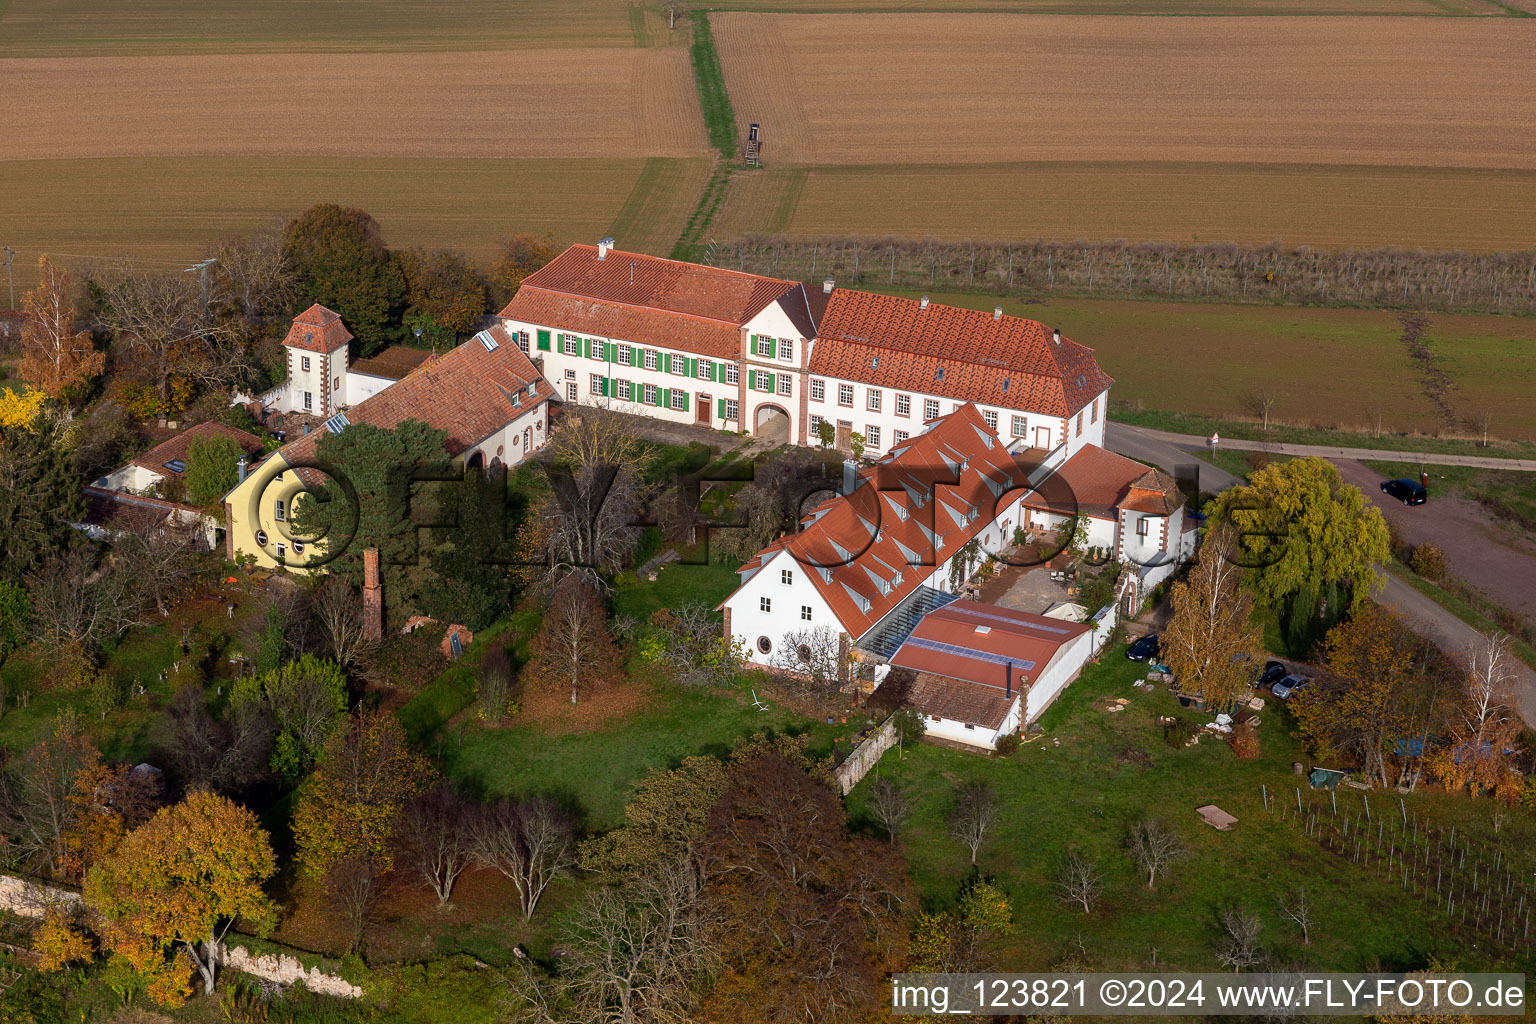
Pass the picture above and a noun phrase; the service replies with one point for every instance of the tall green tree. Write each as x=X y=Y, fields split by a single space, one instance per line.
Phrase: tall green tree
x=444 y=291
x=307 y=699
x=382 y=501
x=39 y=495
x=339 y=260
x=212 y=469
x=1303 y=536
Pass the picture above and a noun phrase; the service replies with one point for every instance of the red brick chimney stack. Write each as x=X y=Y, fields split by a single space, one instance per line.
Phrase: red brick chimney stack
x=373 y=596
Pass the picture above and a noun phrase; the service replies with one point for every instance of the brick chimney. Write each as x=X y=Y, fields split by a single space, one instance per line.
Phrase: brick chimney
x=373 y=596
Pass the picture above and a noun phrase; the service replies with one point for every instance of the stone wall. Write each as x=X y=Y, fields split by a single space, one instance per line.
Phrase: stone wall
x=865 y=755
x=29 y=899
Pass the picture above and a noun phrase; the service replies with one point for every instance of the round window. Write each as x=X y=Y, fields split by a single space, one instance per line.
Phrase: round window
x=804 y=650
x=764 y=644
x=261 y=538
x=298 y=547
x=501 y=450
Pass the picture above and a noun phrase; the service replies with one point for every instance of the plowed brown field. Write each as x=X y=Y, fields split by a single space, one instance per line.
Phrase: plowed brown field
x=576 y=104
x=929 y=88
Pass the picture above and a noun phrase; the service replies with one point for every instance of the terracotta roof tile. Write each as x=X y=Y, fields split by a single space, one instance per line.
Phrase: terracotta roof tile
x=317 y=329
x=1154 y=492
x=651 y=301
x=1008 y=362
x=1094 y=481
x=393 y=363
x=867 y=552
x=992 y=633
x=179 y=447
x=467 y=393
x=942 y=697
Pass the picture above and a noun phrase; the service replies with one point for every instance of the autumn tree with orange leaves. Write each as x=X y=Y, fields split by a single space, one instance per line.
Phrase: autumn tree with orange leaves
x=1484 y=723
x=55 y=357
x=173 y=888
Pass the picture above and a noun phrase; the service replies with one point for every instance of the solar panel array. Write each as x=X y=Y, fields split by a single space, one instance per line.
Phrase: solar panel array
x=939 y=647
x=975 y=613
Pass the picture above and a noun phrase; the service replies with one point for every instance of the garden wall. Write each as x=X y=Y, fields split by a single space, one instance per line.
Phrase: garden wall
x=864 y=756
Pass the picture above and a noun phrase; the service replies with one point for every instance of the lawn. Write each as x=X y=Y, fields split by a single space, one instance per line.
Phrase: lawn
x=1081 y=787
x=595 y=770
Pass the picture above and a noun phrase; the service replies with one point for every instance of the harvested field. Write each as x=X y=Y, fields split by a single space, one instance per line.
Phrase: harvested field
x=880 y=89
x=1328 y=206
x=1204 y=358
x=353 y=105
x=169 y=210
x=88 y=27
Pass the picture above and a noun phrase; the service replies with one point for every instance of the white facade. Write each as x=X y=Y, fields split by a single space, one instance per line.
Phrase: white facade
x=359 y=387
x=886 y=416
x=316 y=381
x=513 y=443
x=769 y=605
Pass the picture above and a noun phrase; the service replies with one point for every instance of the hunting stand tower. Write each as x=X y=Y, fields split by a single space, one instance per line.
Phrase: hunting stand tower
x=754 y=144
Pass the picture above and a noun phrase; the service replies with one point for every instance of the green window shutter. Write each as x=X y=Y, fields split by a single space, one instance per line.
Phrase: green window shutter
x=635 y=358
x=721 y=411
x=586 y=349
x=773 y=383
x=664 y=398
x=685 y=401
x=691 y=367
x=543 y=341
x=666 y=361
x=604 y=387
x=751 y=380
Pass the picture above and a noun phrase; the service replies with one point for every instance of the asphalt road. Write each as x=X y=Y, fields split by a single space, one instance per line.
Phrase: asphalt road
x=1330 y=452
x=1172 y=451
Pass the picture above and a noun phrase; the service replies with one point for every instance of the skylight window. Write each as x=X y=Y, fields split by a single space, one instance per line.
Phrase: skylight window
x=336 y=424
x=176 y=466
x=939 y=374
x=489 y=341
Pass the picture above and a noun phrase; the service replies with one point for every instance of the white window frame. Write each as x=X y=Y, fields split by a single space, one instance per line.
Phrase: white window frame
x=626 y=355
x=901 y=435
x=1020 y=426
x=816 y=422
x=930 y=409
x=570 y=391
x=872 y=435
x=845 y=390
x=765 y=604
x=903 y=404
x=704 y=369
x=650 y=394
x=787 y=577
x=624 y=391
x=676 y=398
x=765 y=382
x=309 y=400
x=786 y=349
x=595 y=384
x=304 y=363
x=873 y=398
x=279 y=511
x=679 y=365
x=652 y=359
x=991 y=417
x=786 y=386
x=1143 y=527
x=522 y=341
x=818 y=390
x=805 y=612
x=732 y=410
x=570 y=345
x=732 y=373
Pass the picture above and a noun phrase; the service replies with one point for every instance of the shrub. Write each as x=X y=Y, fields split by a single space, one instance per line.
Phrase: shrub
x=1179 y=731
x=1428 y=561
x=1244 y=741
x=1008 y=745
x=1256 y=460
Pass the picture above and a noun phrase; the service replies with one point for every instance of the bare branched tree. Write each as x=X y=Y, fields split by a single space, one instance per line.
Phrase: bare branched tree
x=1078 y=881
x=815 y=653
x=595 y=463
x=1259 y=403
x=974 y=814
x=164 y=330
x=158 y=558
x=1155 y=845
x=1297 y=906
x=636 y=951
x=890 y=806
x=339 y=611
x=1238 y=946
x=76 y=603
x=253 y=277
x=531 y=842
x=353 y=886
x=573 y=644
x=437 y=829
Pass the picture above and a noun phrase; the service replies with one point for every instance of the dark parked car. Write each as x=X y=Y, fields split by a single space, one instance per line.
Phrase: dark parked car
x=1143 y=649
x=1286 y=688
x=1274 y=671
x=1406 y=491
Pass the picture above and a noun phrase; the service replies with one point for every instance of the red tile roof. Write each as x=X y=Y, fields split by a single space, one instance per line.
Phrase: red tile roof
x=116 y=510
x=1095 y=482
x=393 y=363
x=1008 y=362
x=180 y=446
x=974 y=643
x=1155 y=492
x=867 y=552
x=467 y=393
x=943 y=697
x=317 y=329
x=651 y=301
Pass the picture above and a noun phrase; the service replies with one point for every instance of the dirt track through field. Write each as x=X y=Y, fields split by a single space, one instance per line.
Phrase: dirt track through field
x=862 y=89
x=559 y=103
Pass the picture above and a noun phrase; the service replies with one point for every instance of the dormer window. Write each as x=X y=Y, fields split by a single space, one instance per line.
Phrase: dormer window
x=939 y=374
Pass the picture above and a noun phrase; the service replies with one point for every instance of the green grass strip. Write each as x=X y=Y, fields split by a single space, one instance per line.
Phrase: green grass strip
x=719 y=118
x=1459 y=608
